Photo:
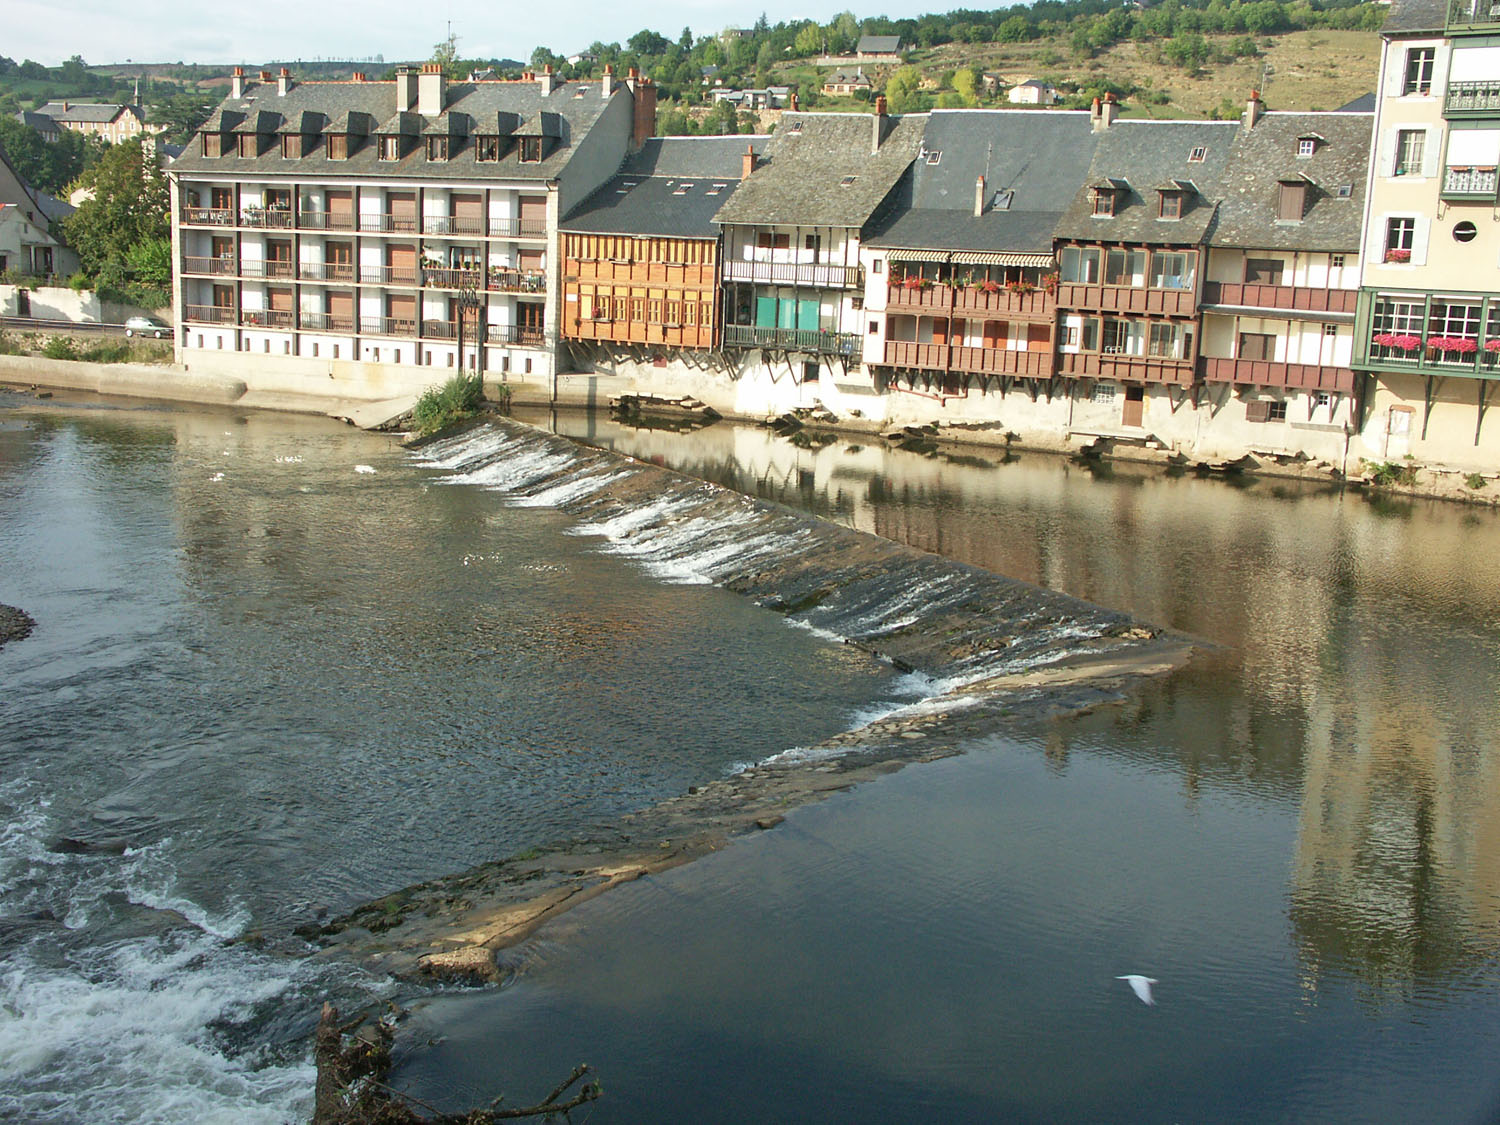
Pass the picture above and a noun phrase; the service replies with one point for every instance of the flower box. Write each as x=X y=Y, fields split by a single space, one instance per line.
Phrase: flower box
x=1398 y=255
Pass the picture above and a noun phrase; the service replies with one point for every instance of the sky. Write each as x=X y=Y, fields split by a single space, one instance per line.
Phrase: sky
x=108 y=31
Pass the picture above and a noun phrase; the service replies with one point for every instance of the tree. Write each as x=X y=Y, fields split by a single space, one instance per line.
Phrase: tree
x=445 y=54
x=809 y=41
x=46 y=167
x=648 y=43
x=966 y=85
x=129 y=207
x=901 y=88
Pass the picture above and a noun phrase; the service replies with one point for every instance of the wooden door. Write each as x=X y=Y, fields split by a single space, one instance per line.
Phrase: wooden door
x=468 y=213
x=402 y=208
x=533 y=214
x=401 y=310
x=341 y=208
x=401 y=264
x=1134 y=410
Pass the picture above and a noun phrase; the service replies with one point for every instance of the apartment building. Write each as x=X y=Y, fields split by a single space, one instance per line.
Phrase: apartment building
x=1428 y=330
x=640 y=257
x=107 y=121
x=372 y=231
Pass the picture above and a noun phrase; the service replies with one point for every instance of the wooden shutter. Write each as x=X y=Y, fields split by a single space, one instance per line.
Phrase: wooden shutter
x=1385 y=163
x=1419 y=240
x=1258 y=411
x=1431 y=154
x=534 y=209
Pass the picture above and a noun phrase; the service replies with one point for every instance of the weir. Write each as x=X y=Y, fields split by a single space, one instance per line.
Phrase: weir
x=984 y=651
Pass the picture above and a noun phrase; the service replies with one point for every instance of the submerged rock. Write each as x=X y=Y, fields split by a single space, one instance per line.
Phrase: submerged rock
x=15 y=625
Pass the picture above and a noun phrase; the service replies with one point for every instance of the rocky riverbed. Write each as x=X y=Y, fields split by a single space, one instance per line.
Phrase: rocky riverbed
x=15 y=624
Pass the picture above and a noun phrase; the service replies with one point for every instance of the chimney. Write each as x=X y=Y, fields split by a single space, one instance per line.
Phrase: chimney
x=747 y=162
x=432 y=86
x=283 y=82
x=632 y=76
x=979 y=197
x=406 y=88
x=794 y=103
x=1255 y=109
x=881 y=124
x=1103 y=114
x=359 y=76
x=643 y=126
x=265 y=76
x=65 y=106
x=237 y=83
x=549 y=80
x=607 y=83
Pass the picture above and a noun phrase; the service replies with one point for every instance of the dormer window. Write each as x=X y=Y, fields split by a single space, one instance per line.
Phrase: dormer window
x=437 y=148
x=1291 y=201
x=1171 y=205
x=338 y=146
x=487 y=149
x=1306 y=146
x=531 y=150
x=249 y=144
x=390 y=148
x=1198 y=155
x=213 y=144
x=1104 y=202
x=291 y=146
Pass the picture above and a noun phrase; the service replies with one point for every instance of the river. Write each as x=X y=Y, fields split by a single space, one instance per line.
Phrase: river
x=282 y=667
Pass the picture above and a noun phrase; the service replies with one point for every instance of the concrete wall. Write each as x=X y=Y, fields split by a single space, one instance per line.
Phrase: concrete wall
x=323 y=378
x=57 y=303
x=139 y=380
x=1397 y=413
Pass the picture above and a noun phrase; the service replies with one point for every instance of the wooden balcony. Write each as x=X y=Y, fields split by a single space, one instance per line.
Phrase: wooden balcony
x=907 y=353
x=1292 y=298
x=1126 y=368
x=846 y=344
x=1125 y=299
x=934 y=298
x=1267 y=373
x=678 y=275
x=1472 y=99
x=210 y=314
x=808 y=275
x=967 y=301
x=967 y=358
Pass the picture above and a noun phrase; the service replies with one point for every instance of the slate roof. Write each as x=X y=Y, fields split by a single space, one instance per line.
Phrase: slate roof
x=92 y=112
x=1407 y=16
x=808 y=158
x=504 y=107
x=1144 y=154
x=672 y=188
x=878 y=44
x=1264 y=156
x=1035 y=162
x=845 y=77
x=38 y=121
x=1365 y=103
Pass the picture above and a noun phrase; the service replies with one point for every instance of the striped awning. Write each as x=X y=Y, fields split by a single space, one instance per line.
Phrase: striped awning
x=898 y=255
x=996 y=258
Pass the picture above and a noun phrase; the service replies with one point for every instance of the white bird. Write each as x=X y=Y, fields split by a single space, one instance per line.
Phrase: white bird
x=1140 y=985
x=363 y=469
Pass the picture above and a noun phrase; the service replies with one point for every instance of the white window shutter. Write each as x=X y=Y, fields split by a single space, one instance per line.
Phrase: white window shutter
x=1375 y=239
x=1419 y=240
x=1431 y=155
x=1440 y=62
x=1386 y=163
x=1395 y=61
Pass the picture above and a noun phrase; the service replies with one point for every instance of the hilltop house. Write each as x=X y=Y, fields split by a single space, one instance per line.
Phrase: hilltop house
x=843 y=82
x=112 y=123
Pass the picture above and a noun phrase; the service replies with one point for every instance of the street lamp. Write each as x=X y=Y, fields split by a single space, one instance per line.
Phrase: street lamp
x=468 y=300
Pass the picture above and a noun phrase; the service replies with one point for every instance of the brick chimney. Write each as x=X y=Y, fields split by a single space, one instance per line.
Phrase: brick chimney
x=237 y=83
x=979 y=197
x=406 y=87
x=748 y=162
x=643 y=125
x=359 y=76
x=794 y=103
x=1255 y=109
x=607 y=83
x=283 y=82
x=632 y=76
x=432 y=89
x=1103 y=114
x=881 y=125
x=548 y=81
x=265 y=76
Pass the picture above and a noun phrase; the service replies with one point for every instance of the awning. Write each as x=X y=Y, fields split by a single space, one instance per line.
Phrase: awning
x=915 y=255
x=997 y=258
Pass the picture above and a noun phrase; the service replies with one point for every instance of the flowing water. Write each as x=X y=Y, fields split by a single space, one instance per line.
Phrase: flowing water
x=268 y=684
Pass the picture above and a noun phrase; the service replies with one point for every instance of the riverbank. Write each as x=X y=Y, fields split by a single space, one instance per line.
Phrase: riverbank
x=994 y=653
x=15 y=624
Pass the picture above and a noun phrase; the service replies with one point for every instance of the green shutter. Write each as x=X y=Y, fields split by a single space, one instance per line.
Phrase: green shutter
x=807 y=316
x=765 y=312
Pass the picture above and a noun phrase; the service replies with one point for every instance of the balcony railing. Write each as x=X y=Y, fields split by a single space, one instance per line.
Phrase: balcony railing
x=516 y=281
x=1268 y=373
x=267 y=268
x=326 y=322
x=387 y=326
x=443 y=278
x=1473 y=99
x=1473 y=13
x=440 y=330
x=215 y=267
x=1081 y=297
x=405 y=224
x=968 y=300
x=326 y=271
x=808 y=274
x=518 y=228
x=268 y=318
x=910 y=353
x=388 y=275
x=1470 y=183
x=313 y=219
x=210 y=314
x=1295 y=298
x=208 y=216
x=276 y=218
x=1126 y=368
x=515 y=334
x=792 y=339
x=974 y=359
x=448 y=224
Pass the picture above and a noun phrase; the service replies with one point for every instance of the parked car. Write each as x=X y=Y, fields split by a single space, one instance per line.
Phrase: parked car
x=147 y=326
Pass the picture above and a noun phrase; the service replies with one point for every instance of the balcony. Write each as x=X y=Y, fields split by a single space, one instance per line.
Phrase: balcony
x=518 y=228
x=445 y=278
x=312 y=219
x=268 y=318
x=207 y=216
x=326 y=271
x=402 y=224
x=1125 y=299
x=1267 y=373
x=1473 y=15
x=213 y=267
x=1126 y=368
x=1472 y=99
x=210 y=314
x=278 y=268
x=908 y=353
x=808 y=274
x=846 y=344
x=447 y=224
x=930 y=298
x=1469 y=184
x=972 y=301
x=326 y=322
x=515 y=334
x=388 y=275
x=516 y=281
x=387 y=326
x=966 y=358
x=271 y=218
x=1292 y=298
x=441 y=329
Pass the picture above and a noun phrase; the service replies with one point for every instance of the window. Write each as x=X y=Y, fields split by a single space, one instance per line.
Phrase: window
x=1336 y=261
x=390 y=148
x=1171 y=205
x=1256 y=345
x=1306 y=146
x=1330 y=330
x=487 y=149
x=1291 y=201
x=1171 y=271
x=1090 y=341
x=1125 y=267
x=1080 y=266
x=846 y=181
x=437 y=148
x=877 y=266
x=338 y=146
x=1198 y=155
x=1263 y=271
x=934 y=156
x=1276 y=412
x=291 y=145
x=1103 y=392
x=1321 y=398
x=796 y=126
x=213 y=144
x=1104 y=201
x=1400 y=235
x=1410 y=145
x=1465 y=232
x=1418 y=77
x=531 y=150
x=1168 y=340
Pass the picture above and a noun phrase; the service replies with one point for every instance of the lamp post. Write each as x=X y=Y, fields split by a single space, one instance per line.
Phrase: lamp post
x=468 y=300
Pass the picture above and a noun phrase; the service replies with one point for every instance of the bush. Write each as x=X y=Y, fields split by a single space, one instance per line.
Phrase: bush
x=8 y=346
x=1475 y=481
x=59 y=347
x=1389 y=473
x=455 y=400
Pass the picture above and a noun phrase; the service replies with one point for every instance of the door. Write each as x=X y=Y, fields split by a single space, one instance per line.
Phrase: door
x=341 y=208
x=468 y=214
x=1398 y=433
x=401 y=312
x=807 y=316
x=278 y=257
x=338 y=260
x=401 y=264
x=340 y=309
x=402 y=208
x=765 y=312
x=1134 y=410
x=533 y=215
